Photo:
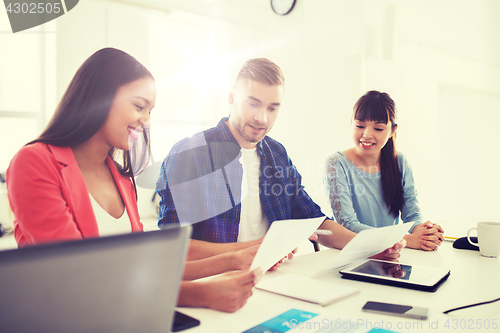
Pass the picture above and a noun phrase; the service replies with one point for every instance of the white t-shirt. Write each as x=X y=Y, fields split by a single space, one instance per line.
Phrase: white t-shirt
x=253 y=221
x=107 y=224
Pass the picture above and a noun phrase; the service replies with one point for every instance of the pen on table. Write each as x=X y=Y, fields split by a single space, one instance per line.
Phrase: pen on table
x=323 y=232
x=450 y=239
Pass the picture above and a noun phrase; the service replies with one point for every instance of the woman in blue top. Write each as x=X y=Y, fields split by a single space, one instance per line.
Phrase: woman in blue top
x=370 y=184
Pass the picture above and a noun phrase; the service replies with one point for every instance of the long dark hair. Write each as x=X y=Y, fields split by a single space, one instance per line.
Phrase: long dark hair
x=85 y=106
x=377 y=106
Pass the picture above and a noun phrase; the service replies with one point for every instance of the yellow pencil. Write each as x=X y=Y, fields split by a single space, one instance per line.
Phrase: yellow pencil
x=450 y=239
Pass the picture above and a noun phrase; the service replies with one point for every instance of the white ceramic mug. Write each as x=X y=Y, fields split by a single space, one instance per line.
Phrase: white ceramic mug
x=488 y=238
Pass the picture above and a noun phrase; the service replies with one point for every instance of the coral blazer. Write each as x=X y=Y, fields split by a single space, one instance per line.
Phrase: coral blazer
x=49 y=197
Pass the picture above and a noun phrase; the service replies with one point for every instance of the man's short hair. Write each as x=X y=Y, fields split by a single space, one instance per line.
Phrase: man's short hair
x=261 y=70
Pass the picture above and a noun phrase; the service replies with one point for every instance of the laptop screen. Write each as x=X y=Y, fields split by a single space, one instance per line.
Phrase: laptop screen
x=122 y=283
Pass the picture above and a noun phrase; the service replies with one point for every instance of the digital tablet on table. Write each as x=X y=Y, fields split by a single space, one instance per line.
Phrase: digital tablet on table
x=397 y=274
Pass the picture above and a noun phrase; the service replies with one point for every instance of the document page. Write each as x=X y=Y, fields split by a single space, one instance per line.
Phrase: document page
x=365 y=244
x=281 y=238
x=306 y=289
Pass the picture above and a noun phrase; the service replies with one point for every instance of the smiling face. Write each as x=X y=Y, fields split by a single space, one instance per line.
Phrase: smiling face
x=371 y=136
x=254 y=109
x=129 y=112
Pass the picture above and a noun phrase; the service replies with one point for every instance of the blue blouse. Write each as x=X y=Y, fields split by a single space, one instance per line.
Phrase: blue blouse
x=357 y=199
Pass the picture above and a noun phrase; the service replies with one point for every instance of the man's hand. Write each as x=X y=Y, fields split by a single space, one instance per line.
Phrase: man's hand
x=392 y=253
x=230 y=291
x=242 y=259
x=279 y=263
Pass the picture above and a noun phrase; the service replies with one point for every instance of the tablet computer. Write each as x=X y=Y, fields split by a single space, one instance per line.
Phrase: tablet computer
x=397 y=274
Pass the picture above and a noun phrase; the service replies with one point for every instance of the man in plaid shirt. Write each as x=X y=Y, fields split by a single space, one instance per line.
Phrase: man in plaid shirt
x=232 y=181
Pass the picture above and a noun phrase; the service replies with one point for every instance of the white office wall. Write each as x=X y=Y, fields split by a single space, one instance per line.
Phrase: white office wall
x=94 y=25
x=439 y=60
x=440 y=63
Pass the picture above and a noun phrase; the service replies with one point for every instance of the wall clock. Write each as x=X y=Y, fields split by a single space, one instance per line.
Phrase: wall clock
x=282 y=7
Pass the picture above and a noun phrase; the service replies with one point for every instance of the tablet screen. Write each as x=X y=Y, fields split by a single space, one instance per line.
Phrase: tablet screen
x=378 y=268
x=421 y=275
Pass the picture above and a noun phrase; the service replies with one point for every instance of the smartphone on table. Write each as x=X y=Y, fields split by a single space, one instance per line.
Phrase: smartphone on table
x=407 y=311
x=183 y=322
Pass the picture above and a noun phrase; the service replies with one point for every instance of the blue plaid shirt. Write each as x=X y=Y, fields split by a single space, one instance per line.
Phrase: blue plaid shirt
x=200 y=184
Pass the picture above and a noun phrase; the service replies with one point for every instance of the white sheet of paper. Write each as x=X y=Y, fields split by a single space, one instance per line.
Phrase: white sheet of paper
x=367 y=243
x=281 y=238
x=306 y=289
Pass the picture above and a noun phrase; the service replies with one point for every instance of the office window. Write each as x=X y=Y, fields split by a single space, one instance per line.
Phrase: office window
x=190 y=57
x=27 y=83
x=15 y=133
